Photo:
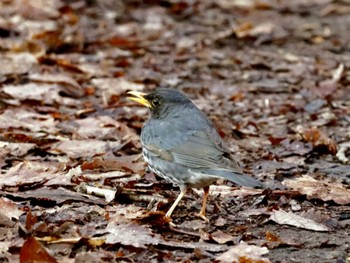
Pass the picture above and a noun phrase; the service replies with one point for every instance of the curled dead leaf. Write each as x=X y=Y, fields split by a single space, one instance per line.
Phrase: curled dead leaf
x=318 y=139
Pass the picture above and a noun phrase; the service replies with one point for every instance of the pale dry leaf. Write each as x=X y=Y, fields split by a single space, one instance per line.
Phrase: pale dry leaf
x=193 y=224
x=230 y=4
x=131 y=234
x=112 y=86
x=288 y=218
x=64 y=179
x=227 y=191
x=85 y=148
x=123 y=214
x=23 y=174
x=22 y=119
x=59 y=195
x=325 y=191
x=99 y=127
x=244 y=252
x=47 y=93
x=222 y=237
x=341 y=154
x=15 y=149
x=9 y=208
x=107 y=194
x=112 y=174
x=65 y=82
x=4 y=247
x=16 y=63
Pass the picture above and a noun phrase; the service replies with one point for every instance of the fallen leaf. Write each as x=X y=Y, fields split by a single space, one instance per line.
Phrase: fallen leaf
x=15 y=149
x=85 y=148
x=22 y=119
x=244 y=253
x=23 y=174
x=117 y=163
x=33 y=252
x=9 y=208
x=288 y=218
x=215 y=248
x=329 y=86
x=272 y=237
x=108 y=194
x=112 y=86
x=342 y=153
x=99 y=127
x=45 y=93
x=221 y=237
x=4 y=247
x=318 y=139
x=31 y=220
x=228 y=191
x=17 y=63
x=58 y=196
x=131 y=234
x=68 y=85
x=325 y=191
x=193 y=224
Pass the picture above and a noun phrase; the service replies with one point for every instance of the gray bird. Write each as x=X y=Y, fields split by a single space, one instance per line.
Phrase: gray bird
x=181 y=145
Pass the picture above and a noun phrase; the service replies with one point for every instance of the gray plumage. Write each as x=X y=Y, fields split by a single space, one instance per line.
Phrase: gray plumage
x=182 y=145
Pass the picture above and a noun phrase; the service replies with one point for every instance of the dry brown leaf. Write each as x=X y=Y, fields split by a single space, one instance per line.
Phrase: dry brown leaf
x=325 y=191
x=318 y=139
x=32 y=251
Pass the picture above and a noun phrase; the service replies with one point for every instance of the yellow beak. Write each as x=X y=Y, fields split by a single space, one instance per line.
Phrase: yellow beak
x=140 y=98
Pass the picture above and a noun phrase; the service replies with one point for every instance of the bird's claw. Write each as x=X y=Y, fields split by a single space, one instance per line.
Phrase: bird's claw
x=202 y=216
x=172 y=225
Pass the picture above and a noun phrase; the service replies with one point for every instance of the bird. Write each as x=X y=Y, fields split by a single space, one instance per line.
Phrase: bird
x=181 y=145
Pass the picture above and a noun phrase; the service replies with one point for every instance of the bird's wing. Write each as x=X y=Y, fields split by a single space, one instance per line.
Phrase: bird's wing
x=204 y=149
x=201 y=149
x=195 y=149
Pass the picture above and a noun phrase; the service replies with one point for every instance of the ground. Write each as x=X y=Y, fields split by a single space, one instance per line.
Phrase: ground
x=273 y=76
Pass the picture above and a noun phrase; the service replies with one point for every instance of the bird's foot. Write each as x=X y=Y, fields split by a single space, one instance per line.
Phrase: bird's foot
x=172 y=225
x=202 y=216
x=168 y=220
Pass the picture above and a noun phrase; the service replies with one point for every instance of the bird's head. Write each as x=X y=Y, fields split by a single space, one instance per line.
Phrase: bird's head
x=161 y=102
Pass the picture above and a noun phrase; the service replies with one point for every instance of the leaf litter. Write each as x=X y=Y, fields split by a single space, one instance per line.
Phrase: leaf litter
x=272 y=76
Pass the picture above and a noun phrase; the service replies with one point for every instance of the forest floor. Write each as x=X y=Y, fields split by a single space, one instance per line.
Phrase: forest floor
x=272 y=75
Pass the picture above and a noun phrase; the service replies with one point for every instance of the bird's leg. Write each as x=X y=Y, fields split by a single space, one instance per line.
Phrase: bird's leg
x=178 y=199
x=204 y=205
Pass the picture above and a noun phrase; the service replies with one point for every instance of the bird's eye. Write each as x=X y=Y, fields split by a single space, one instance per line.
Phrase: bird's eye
x=155 y=102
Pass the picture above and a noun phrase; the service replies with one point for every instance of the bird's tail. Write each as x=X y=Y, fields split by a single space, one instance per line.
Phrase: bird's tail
x=237 y=178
